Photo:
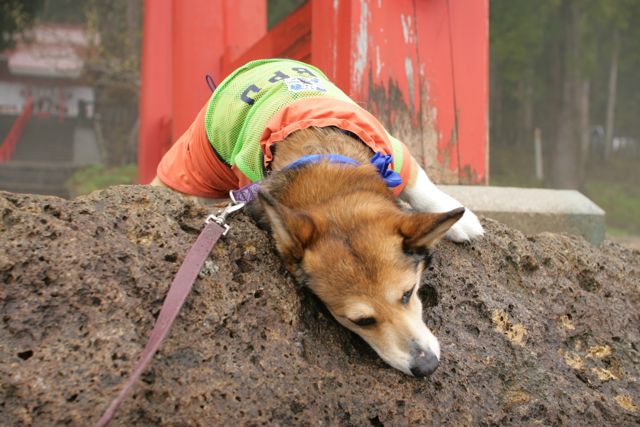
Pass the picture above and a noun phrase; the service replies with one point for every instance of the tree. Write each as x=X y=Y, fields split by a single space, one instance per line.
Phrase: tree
x=114 y=67
x=566 y=150
x=15 y=17
x=564 y=66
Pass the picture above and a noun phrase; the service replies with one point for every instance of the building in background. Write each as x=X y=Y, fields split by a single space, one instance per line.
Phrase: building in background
x=46 y=68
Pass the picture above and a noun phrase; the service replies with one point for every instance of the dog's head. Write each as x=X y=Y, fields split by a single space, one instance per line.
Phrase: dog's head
x=364 y=259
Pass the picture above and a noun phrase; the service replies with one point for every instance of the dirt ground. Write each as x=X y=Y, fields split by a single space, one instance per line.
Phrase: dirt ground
x=540 y=329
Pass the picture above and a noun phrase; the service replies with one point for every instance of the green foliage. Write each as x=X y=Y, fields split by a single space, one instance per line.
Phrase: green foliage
x=530 y=62
x=523 y=34
x=521 y=31
x=97 y=177
x=513 y=167
x=115 y=59
x=517 y=29
x=15 y=17
x=279 y=9
x=113 y=67
x=63 y=11
x=621 y=202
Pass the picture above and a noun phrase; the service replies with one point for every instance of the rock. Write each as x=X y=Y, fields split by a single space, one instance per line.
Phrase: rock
x=542 y=329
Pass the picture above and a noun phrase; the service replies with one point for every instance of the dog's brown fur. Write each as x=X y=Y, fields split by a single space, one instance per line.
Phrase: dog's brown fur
x=341 y=231
x=318 y=141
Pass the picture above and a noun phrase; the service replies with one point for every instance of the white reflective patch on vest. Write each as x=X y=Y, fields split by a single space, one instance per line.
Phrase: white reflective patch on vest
x=298 y=84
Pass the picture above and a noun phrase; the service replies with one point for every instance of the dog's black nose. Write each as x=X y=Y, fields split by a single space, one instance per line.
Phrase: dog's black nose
x=424 y=364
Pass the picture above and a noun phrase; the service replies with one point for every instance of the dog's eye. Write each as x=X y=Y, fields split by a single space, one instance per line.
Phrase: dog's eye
x=364 y=321
x=407 y=296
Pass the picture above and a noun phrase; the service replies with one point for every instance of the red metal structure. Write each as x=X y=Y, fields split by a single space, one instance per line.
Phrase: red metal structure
x=9 y=144
x=420 y=65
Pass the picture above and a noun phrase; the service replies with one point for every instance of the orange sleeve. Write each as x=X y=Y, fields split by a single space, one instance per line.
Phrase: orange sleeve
x=192 y=167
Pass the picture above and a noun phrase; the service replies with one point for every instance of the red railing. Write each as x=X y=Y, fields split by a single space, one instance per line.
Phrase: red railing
x=9 y=144
x=290 y=38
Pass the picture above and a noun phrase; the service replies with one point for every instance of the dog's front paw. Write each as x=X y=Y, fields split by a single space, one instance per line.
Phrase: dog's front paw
x=467 y=228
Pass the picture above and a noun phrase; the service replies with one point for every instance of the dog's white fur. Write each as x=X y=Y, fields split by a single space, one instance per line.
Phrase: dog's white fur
x=424 y=196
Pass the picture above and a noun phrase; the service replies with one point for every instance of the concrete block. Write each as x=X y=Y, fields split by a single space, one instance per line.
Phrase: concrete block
x=533 y=210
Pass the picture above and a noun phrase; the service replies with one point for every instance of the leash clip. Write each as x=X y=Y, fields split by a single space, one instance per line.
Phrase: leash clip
x=220 y=217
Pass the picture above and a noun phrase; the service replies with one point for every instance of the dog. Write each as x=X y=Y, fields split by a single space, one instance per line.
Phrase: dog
x=332 y=186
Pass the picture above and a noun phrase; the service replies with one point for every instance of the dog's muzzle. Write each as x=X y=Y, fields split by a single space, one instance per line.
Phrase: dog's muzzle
x=424 y=362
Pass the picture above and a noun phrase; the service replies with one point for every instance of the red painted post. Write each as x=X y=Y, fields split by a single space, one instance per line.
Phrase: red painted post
x=154 y=136
x=183 y=42
x=439 y=132
x=421 y=67
x=331 y=32
x=198 y=46
x=245 y=24
x=204 y=33
x=470 y=47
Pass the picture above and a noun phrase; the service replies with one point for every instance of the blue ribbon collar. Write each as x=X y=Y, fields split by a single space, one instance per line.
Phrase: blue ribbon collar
x=380 y=161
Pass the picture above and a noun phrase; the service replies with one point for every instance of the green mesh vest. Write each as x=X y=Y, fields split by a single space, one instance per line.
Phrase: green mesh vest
x=243 y=104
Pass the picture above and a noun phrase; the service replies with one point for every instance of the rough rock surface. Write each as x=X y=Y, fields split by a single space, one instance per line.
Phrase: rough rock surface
x=534 y=330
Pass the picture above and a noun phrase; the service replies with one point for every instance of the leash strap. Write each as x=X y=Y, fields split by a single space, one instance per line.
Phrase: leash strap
x=246 y=194
x=215 y=227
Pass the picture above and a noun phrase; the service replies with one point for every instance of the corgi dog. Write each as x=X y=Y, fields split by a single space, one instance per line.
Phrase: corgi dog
x=333 y=206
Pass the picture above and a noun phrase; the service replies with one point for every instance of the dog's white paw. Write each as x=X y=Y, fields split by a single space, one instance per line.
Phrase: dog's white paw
x=467 y=228
x=426 y=197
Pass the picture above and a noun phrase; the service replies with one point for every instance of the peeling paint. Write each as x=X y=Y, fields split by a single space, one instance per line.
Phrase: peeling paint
x=449 y=150
x=389 y=103
x=407 y=29
x=467 y=175
x=408 y=69
x=430 y=137
x=395 y=54
x=362 y=45
x=334 y=52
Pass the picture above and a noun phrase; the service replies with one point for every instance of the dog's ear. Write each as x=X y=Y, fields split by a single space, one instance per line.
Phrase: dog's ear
x=423 y=230
x=293 y=230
